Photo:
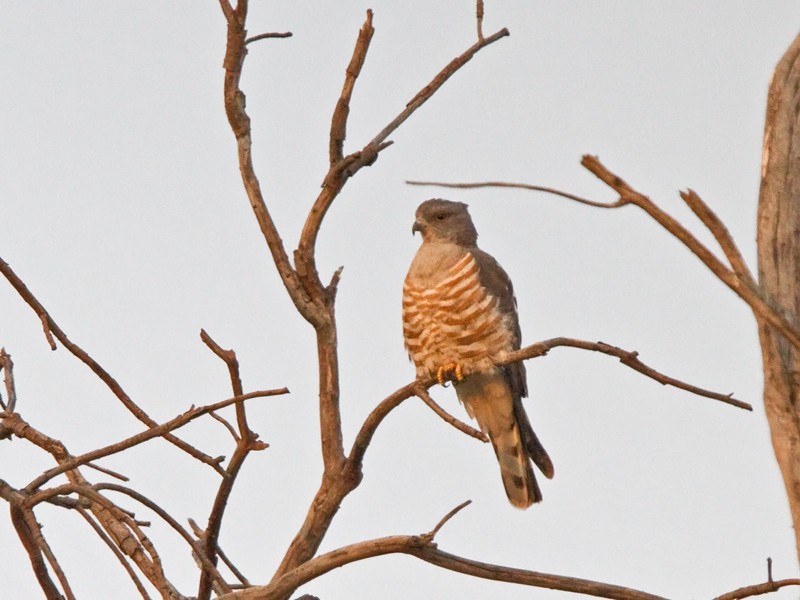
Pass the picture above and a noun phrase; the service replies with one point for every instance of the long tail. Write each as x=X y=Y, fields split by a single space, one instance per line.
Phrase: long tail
x=488 y=399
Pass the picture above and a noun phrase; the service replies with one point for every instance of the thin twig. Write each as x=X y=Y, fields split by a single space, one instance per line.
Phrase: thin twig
x=520 y=186
x=432 y=533
x=228 y=563
x=423 y=395
x=108 y=472
x=264 y=36
x=226 y=424
x=479 y=18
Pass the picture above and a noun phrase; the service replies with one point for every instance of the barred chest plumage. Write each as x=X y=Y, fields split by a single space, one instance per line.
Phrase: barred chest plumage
x=448 y=316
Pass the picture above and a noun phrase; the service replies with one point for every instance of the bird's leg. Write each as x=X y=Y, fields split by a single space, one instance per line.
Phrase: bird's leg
x=449 y=372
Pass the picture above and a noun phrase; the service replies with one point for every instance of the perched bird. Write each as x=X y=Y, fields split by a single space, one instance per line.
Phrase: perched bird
x=459 y=319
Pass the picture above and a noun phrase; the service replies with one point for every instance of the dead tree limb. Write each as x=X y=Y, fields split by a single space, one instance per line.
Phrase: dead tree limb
x=778 y=268
x=246 y=442
x=628 y=358
x=18 y=426
x=35 y=555
x=52 y=329
x=423 y=547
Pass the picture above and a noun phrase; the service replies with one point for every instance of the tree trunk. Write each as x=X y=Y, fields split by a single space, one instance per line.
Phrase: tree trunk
x=779 y=268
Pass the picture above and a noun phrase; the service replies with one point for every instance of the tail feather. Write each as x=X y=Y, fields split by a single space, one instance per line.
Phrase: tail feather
x=531 y=441
x=488 y=398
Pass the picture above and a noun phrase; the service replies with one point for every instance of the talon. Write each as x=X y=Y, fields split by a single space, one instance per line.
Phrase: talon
x=449 y=372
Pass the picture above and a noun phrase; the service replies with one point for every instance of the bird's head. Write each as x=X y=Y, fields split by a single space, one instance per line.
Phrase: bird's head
x=445 y=221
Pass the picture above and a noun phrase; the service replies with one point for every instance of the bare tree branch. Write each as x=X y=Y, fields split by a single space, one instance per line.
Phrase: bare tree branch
x=108 y=472
x=29 y=542
x=741 y=286
x=246 y=442
x=264 y=36
x=240 y=124
x=364 y=436
x=519 y=186
x=197 y=549
x=629 y=359
x=443 y=521
x=422 y=547
x=115 y=551
x=7 y=366
x=18 y=425
x=30 y=519
x=778 y=244
x=230 y=360
x=102 y=374
x=423 y=395
x=756 y=590
x=483 y=570
x=479 y=17
x=342 y=111
x=717 y=228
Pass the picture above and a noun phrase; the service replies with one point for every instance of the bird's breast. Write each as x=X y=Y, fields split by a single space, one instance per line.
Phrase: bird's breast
x=449 y=316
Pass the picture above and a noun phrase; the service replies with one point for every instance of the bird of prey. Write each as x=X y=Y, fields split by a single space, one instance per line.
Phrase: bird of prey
x=459 y=319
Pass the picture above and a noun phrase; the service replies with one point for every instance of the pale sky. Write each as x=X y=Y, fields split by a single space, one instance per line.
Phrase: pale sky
x=123 y=210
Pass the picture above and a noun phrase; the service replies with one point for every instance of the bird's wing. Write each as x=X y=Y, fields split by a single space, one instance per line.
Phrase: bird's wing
x=498 y=284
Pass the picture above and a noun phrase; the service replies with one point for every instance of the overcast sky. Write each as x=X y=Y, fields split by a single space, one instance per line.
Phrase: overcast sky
x=123 y=210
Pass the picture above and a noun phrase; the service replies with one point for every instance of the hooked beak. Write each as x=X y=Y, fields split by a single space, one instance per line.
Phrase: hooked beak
x=417 y=226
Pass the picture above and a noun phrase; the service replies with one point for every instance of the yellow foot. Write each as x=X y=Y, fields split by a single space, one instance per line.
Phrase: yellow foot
x=449 y=372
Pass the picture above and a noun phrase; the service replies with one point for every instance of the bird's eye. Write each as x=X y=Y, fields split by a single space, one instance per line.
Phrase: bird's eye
x=441 y=217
